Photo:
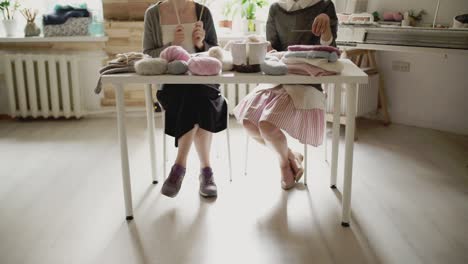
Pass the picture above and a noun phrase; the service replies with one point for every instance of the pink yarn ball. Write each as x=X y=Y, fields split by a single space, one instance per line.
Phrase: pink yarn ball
x=398 y=17
x=388 y=16
x=204 y=66
x=173 y=53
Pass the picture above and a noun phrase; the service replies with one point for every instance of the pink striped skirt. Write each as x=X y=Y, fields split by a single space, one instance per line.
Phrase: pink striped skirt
x=276 y=106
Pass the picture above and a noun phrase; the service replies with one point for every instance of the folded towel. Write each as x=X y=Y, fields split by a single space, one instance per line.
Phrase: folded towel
x=314 y=47
x=123 y=63
x=307 y=69
x=273 y=66
x=313 y=54
x=61 y=18
x=321 y=63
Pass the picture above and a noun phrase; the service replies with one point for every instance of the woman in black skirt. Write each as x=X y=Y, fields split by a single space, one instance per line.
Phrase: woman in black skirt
x=193 y=111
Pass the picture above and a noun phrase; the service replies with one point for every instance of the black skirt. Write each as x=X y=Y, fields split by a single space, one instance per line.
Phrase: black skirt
x=186 y=105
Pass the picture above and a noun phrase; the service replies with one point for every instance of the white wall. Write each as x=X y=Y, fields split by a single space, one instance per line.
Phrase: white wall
x=433 y=94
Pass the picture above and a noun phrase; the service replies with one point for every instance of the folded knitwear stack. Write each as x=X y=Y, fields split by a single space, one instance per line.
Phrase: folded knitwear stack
x=123 y=63
x=67 y=20
x=314 y=60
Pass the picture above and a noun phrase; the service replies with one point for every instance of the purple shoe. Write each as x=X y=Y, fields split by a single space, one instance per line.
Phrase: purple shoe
x=173 y=182
x=207 y=185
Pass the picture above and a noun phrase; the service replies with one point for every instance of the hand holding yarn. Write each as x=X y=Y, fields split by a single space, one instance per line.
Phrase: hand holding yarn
x=198 y=35
x=321 y=27
x=178 y=35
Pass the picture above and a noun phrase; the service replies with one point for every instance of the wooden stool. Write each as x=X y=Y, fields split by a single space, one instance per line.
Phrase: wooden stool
x=365 y=59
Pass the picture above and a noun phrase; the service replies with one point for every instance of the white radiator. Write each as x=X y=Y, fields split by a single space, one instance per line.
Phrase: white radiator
x=235 y=92
x=44 y=85
x=367 y=97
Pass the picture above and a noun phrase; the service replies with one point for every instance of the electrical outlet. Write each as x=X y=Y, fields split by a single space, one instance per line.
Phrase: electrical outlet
x=401 y=66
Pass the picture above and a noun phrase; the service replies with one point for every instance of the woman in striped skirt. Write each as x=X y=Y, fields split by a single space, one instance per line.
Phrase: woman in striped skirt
x=297 y=109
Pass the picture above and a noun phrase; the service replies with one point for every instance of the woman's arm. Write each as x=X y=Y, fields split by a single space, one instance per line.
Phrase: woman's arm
x=271 y=33
x=331 y=12
x=150 y=45
x=211 y=39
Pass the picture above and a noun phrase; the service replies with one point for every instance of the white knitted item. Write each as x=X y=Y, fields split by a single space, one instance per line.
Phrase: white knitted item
x=257 y=52
x=223 y=56
x=216 y=52
x=239 y=53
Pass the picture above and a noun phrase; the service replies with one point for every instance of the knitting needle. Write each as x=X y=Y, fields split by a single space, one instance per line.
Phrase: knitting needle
x=176 y=11
x=202 y=9
x=301 y=30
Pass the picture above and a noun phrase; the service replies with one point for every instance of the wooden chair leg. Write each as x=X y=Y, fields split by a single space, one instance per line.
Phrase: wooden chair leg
x=382 y=95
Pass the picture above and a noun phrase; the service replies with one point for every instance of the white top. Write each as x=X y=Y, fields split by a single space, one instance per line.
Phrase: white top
x=168 y=35
x=293 y=5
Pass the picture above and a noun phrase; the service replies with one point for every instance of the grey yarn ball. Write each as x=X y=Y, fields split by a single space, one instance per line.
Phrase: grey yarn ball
x=177 y=67
x=151 y=66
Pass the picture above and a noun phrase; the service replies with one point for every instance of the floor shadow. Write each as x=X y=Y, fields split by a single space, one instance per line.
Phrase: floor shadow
x=319 y=242
x=175 y=242
x=344 y=244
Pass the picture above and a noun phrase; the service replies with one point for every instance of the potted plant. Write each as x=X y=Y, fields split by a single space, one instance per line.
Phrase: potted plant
x=249 y=9
x=8 y=9
x=230 y=9
x=31 y=29
x=415 y=17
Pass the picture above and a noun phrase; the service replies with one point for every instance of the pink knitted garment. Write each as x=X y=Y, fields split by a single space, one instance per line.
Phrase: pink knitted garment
x=307 y=69
x=173 y=53
x=314 y=47
x=204 y=66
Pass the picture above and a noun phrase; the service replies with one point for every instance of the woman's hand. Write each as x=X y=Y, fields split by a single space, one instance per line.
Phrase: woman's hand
x=198 y=35
x=321 y=27
x=178 y=36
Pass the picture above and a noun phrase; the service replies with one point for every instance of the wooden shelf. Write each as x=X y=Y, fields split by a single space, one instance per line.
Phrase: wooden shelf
x=53 y=39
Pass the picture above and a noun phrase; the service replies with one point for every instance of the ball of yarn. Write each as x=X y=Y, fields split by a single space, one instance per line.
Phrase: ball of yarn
x=177 y=67
x=254 y=39
x=151 y=66
x=204 y=66
x=217 y=53
x=173 y=53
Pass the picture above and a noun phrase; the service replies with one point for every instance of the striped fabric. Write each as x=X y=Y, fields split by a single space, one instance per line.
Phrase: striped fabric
x=275 y=106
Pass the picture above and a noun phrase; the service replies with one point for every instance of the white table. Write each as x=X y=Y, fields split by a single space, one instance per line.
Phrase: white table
x=351 y=76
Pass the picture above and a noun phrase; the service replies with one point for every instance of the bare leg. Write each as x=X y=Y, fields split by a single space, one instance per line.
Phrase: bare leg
x=276 y=139
x=202 y=142
x=185 y=143
x=253 y=131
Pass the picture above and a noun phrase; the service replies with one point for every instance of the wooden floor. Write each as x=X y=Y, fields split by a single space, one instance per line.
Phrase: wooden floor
x=61 y=201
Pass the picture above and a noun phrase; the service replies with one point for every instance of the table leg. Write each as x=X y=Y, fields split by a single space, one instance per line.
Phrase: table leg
x=306 y=168
x=164 y=145
x=127 y=188
x=336 y=134
x=349 y=148
x=150 y=125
